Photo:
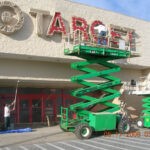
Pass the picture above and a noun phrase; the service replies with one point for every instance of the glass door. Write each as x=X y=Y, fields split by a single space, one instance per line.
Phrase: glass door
x=24 y=111
x=50 y=108
x=36 y=110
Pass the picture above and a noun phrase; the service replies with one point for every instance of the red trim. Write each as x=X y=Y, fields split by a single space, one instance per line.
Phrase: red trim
x=54 y=98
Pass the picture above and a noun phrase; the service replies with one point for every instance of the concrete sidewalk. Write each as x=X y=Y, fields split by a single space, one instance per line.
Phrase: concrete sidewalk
x=38 y=135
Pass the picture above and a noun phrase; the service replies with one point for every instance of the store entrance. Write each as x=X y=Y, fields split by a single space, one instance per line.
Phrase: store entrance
x=42 y=106
x=24 y=111
x=36 y=110
x=32 y=108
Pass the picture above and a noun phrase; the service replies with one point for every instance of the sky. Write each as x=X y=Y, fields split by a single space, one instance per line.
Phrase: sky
x=135 y=8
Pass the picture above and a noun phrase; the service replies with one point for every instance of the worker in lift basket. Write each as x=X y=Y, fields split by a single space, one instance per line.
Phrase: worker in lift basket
x=102 y=31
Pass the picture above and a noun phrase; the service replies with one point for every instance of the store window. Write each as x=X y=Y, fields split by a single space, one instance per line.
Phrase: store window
x=24 y=111
x=36 y=110
x=35 y=104
x=49 y=112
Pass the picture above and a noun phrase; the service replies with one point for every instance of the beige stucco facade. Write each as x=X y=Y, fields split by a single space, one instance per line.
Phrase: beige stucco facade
x=39 y=61
x=26 y=45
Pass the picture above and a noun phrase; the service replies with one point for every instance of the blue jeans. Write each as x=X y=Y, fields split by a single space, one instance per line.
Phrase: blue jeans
x=101 y=38
x=7 y=123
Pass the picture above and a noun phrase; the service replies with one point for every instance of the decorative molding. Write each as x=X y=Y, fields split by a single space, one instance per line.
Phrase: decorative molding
x=39 y=15
x=11 y=17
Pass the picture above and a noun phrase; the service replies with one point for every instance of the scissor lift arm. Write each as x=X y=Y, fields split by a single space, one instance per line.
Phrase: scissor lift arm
x=104 y=119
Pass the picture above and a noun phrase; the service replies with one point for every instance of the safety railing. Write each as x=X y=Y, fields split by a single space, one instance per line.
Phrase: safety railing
x=77 y=37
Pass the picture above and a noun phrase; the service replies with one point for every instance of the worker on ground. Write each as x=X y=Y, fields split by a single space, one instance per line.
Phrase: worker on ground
x=7 y=110
x=102 y=31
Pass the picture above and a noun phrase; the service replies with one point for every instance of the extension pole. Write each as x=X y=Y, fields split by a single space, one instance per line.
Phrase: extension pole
x=14 y=102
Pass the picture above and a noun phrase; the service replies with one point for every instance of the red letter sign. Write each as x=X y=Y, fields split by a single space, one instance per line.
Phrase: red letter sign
x=80 y=24
x=114 y=36
x=56 y=25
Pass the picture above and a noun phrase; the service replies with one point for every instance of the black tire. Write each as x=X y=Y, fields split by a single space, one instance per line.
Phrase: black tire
x=83 y=131
x=124 y=126
x=140 y=123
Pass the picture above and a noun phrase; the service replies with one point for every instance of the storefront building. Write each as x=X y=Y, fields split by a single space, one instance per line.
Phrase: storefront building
x=32 y=52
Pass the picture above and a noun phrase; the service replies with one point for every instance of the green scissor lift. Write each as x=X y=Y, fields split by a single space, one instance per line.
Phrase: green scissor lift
x=144 y=120
x=87 y=121
x=143 y=90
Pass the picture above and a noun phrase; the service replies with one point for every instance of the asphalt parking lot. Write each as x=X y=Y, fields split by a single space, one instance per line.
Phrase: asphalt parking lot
x=54 y=139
